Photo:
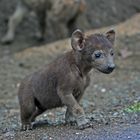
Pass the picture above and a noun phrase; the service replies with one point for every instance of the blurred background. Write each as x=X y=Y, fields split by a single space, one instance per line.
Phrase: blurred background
x=110 y=99
x=91 y=14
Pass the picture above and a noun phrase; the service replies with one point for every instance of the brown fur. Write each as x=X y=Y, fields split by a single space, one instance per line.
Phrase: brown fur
x=64 y=81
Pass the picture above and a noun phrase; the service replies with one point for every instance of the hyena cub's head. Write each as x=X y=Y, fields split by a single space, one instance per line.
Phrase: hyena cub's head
x=95 y=50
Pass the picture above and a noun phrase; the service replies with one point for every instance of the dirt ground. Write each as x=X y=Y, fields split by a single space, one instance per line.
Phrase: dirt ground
x=105 y=102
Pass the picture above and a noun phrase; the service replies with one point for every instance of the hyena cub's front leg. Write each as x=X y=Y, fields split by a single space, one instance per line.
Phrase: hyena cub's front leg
x=80 y=118
x=69 y=118
x=74 y=109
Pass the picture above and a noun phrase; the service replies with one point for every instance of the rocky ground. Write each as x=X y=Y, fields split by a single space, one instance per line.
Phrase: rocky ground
x=112 y=102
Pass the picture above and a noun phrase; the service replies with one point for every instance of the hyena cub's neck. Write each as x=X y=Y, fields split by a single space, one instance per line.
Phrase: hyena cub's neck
x=75 y=59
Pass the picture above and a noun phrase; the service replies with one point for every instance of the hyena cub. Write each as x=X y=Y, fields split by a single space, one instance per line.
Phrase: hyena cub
x=64 y=81
x=57 y=12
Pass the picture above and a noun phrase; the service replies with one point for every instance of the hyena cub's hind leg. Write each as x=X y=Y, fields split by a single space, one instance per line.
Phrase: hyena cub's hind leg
x=28 y=117
x=14 y=21
x=29 y=111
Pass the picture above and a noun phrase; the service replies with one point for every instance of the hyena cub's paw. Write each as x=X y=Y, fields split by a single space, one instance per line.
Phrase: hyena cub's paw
x=70 y=120
x=83 y=123
x=25 y=127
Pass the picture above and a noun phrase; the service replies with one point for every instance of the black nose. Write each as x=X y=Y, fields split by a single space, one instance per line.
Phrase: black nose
x=111 y=67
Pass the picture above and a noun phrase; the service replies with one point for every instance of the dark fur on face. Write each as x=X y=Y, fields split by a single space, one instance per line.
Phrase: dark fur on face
x=64 y=81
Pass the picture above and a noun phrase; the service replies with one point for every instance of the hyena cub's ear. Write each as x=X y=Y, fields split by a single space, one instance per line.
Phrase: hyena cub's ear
x=77 y=40
x=111 y=36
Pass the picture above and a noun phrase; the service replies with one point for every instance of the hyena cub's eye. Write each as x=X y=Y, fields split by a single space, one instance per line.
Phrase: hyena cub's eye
x=98 y=55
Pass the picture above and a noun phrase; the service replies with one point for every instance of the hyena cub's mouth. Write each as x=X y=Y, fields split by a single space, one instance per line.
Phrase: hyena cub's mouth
x=106 y=71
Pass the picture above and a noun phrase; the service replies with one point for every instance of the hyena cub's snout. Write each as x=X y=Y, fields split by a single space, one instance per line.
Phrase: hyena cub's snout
x=108 y=69
x=111 y=67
